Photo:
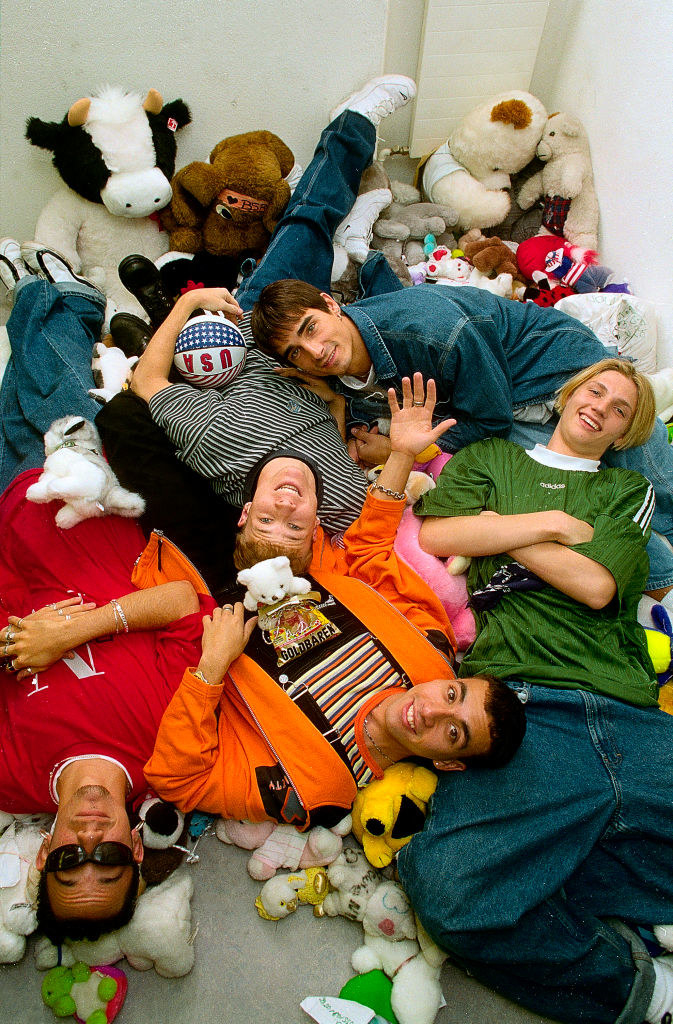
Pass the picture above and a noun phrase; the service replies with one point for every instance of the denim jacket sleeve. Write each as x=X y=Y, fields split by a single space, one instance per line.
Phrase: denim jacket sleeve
x=480 y=391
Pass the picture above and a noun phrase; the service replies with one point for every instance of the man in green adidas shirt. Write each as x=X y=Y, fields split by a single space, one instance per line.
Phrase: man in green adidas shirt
x=534 y=860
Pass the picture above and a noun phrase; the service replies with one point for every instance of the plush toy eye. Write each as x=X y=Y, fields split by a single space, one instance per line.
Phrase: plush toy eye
x=223 y=211
x=552 y=134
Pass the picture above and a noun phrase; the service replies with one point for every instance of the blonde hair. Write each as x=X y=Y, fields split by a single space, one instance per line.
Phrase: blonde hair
x=642 y=421
x=248 y=551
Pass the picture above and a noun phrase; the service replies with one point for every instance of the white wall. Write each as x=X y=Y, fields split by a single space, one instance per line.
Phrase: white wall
x=239 y=64
x=246 y=64
x=611 y=63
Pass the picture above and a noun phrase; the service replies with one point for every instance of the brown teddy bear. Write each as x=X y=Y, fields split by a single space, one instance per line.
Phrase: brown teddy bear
x=233 y=203
x=490 y=255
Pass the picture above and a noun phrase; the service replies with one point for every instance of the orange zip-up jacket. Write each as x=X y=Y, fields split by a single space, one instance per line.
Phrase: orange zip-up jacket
x=244 y=749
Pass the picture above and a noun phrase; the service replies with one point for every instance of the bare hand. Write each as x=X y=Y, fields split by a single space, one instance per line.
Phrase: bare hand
x=225 y=636
x=216 y=300
x=411 y=428
x=371 y=448
x=42 y=638
x=571 y=530
x=318 y=385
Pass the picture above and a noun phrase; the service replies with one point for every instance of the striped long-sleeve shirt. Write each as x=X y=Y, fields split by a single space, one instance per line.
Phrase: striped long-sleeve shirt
x=223 y=433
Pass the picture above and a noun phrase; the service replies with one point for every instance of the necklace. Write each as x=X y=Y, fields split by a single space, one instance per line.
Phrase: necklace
x=373 y=743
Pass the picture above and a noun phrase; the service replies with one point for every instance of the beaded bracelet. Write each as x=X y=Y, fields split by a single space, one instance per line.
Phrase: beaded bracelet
x=119 y=615
x=391 y=494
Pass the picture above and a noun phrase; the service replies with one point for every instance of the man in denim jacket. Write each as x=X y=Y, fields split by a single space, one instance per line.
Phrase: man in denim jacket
x=497 y=364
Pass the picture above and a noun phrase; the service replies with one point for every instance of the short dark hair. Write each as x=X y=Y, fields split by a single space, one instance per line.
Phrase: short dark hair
x=59 y=928
x=506 y=724
x=279 y=307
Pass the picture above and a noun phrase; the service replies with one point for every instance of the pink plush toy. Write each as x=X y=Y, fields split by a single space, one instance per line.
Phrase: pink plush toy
x=281 y=846
x=451 y=590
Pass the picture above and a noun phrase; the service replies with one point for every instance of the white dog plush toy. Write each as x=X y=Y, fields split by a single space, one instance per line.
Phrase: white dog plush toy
x=76 y=472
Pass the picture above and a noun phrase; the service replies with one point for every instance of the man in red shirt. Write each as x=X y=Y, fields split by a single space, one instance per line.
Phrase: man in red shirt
x=90 y=666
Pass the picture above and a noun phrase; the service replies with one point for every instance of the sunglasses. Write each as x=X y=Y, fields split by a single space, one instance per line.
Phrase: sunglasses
x=112 y=855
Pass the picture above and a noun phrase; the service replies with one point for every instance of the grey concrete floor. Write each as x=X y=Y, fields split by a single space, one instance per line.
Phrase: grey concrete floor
x=248 y=971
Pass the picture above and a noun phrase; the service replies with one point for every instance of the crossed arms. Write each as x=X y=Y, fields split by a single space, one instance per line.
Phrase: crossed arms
x=541 y=541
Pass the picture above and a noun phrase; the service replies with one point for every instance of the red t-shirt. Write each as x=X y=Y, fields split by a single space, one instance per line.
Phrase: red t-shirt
x=109 y=700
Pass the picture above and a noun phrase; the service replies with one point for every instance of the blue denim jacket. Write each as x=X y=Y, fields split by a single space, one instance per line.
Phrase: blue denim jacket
x=487 y=355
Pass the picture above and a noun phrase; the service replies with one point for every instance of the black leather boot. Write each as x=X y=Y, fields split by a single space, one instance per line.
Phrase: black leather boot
x=143 y=280
x=130 y=333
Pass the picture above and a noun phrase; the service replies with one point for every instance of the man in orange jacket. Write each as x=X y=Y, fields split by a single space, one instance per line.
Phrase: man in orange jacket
x=288 y=730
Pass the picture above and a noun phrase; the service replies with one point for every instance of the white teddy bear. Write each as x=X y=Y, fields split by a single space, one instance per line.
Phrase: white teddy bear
x=472 y=169
x=566 y=182
x=269 y=582
x=159 y=935
x=76 y=472
x=391 y=945
x=20 y=841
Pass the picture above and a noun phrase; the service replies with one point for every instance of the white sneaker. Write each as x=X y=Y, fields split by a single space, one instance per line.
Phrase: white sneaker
x=294 y=177
x=12 y=267
x=355 y=230
x=379 y=98
x=50 y=264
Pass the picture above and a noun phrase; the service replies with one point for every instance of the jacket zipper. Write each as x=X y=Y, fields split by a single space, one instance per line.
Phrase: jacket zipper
x=270 y=745
x=161 y=535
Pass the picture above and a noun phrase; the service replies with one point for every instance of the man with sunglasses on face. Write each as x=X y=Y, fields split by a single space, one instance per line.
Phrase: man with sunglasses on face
x=89 y=664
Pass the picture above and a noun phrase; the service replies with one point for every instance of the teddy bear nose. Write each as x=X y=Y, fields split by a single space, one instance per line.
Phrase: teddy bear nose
x=386 y=926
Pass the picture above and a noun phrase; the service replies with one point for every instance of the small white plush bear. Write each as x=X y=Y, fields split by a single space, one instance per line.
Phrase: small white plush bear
x=76 y=472
x=567 y=174
x=20 y=840
x=111 y=369
x=391 y=945
x=269 y=582
x=471 y=171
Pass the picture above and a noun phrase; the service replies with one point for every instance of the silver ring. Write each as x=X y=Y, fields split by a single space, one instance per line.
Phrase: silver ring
x=418 y=403
x=229 y=606
x=9 y=636
x=19 y=624
x=59 y=611
x=29 y=671
x=12 y=666
x=52 y=606
x=68 y=618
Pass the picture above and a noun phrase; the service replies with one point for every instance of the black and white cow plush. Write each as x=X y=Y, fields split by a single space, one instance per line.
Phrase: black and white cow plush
x=115 y=152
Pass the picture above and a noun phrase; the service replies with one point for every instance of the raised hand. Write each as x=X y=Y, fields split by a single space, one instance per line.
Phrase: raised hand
x=411 y=428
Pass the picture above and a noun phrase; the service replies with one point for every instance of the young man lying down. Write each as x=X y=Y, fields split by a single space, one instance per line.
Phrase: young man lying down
x=254 y=735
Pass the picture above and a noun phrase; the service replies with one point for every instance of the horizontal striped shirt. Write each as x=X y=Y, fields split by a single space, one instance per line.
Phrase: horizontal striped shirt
x=342 y=683
x=223 y=433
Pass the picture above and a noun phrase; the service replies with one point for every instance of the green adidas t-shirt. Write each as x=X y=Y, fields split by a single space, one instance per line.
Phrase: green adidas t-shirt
x=544 y=636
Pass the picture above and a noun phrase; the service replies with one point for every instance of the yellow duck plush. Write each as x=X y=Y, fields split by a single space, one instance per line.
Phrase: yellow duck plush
x=388 y=811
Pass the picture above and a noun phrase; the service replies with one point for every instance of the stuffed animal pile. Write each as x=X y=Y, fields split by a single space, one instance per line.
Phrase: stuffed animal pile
x=471 y=171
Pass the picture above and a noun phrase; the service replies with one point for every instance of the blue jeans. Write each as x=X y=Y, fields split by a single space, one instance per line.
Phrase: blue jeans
x=519 y=870
x=301 y=245
x=653 y=460
x=51 y=330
